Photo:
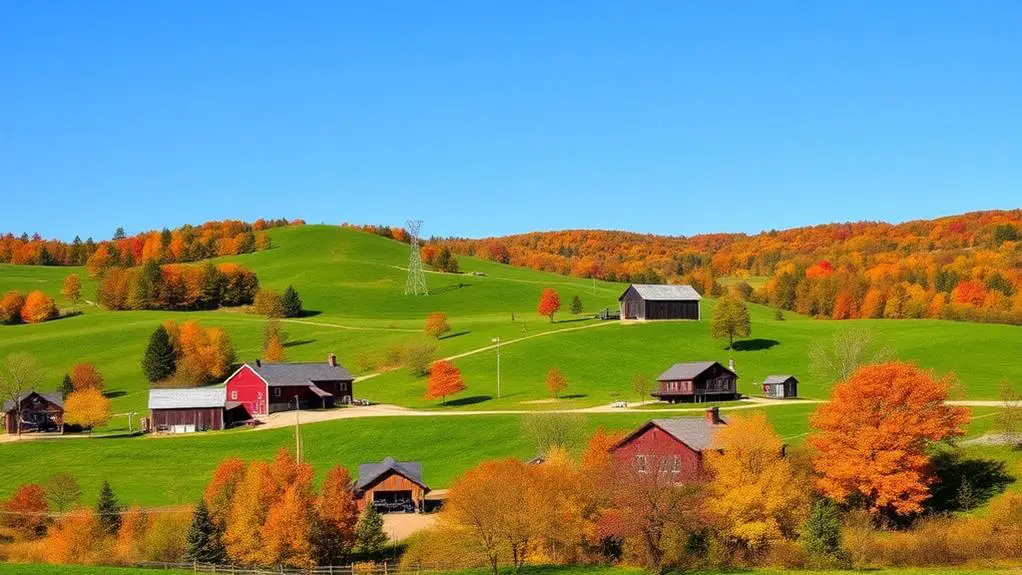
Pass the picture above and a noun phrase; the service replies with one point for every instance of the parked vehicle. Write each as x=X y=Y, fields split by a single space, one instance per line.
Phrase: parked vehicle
x=619 y=404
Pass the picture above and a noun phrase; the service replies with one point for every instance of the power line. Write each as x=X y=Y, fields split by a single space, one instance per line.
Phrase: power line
x=416 y=282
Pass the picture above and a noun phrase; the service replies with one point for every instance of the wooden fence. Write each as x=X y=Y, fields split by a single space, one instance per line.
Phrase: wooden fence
x=369 y=568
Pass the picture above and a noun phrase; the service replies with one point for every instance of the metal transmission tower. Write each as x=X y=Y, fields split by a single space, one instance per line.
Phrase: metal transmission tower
x=416 y=283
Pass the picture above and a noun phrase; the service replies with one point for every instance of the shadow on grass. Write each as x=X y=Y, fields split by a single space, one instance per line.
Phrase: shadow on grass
x=574 y=396
x=754 y=344
x=308 y=313
x=453 y=287
x=471 y=400
x=298 y=342
x=965 y=483
x=113 y=394
x=574 y=320
x=455 y=334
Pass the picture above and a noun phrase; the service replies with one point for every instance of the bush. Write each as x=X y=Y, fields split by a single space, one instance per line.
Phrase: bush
x=418 y=357
x=268 y=303
x=10 y=307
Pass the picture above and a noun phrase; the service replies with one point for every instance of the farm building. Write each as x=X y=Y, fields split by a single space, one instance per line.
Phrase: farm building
x=391 y=482
x=193 y=409
x=674 y=445
x=265 y=388
x=39 y=412
x=780 y=386
x=652 y=302
x=697 y=382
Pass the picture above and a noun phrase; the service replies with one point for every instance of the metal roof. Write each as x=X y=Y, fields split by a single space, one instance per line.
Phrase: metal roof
x=370 y=472
x=688 y=370
x=197 y=397
x=695 y=432
x=664 y=292
x=773 y=379
x=54 y=398
x=278 y=374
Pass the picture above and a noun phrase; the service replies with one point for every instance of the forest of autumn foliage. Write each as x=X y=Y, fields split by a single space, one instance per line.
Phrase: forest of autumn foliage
x=965 y=267
x=185 y=244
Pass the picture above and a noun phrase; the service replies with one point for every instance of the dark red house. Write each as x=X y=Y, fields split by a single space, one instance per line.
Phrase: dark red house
x=697 y=382
x=264 y=388
x=39 y=412
x=674 y=445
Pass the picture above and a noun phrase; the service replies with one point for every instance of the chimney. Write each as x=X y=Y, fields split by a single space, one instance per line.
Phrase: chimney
x=259 y=363
x=713 y=416
x=331 y=360
x=731 y=365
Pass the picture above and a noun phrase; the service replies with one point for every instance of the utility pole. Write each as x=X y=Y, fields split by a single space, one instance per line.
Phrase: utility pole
x=496 y=340
x=298 y=436
x=594 y=285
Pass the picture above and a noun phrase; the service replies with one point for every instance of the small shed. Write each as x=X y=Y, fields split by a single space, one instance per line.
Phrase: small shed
x=658 y=301
x=39 y=412
x=193 y=409
x=391 y=482
x=780 y=386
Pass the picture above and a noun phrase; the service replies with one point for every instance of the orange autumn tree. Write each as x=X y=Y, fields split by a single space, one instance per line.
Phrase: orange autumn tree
x=243 y=537
x=38 y=307
x=437 y=324
x=871 y=437
x=336 y=517
x=72 y=289
x=77 y=538
x=444 y=380
x=25 y=512
x=549 y=303
x=555 y=382
x=757 y=495
x=10 y=307
x=220 y=491
x=86 y=376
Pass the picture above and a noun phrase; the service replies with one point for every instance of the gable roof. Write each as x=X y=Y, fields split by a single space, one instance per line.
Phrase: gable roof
x=281 y=374
x=54 y=398
x=775 y=379
x=664 y=292
x=198 y=397
x=368 y=473
x=689 y=370
x=695 y=432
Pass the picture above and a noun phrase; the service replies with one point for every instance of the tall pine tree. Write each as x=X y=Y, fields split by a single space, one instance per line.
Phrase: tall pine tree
x=369 y=535
x=291 y=303
x=204 y=537
x=108 y=510
x=66 y=387
x=159 y=361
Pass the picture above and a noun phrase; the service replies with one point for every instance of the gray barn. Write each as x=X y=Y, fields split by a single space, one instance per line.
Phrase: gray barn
x=652 y=302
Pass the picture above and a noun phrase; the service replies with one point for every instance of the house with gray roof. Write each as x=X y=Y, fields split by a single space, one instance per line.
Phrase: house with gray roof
x=660 y=301
x=265 y=388
x=697 y=382
x=391 y=485
x=672 y=446
x=39 y=412
x=780 y=386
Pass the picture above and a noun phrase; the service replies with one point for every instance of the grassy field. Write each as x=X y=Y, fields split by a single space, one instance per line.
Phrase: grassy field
x=352 y=283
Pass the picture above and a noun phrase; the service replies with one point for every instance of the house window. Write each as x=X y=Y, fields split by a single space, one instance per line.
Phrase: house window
x=640 y=463
x=675 y=464
x=276 y=392
x=234 y=395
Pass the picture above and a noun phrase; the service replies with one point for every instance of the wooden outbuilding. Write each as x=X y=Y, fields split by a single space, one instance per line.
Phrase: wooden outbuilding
x=193 y=409
x=39 y=412
x=674 y=446
x=391 y=482
x=697 y=382
x=658 y=302
x=780 y=386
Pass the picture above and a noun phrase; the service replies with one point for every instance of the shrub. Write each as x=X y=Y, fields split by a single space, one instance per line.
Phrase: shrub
x=38 y=307
x=10 y=307
x=268 y=303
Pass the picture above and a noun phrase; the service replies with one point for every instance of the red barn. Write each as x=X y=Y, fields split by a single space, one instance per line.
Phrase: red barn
x=264 y=388
x=672 y=445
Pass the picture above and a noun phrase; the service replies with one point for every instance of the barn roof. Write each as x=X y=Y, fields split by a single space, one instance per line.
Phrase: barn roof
x=664 y=292
x=690 y=370
x=280 y=374
x=368 y=473
x=772 y=379
x=197 y=397
x=695 y=432
x=54 y=398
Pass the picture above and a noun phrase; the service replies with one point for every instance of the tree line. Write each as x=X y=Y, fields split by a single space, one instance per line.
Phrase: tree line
x=177 y=287
x=185 y=244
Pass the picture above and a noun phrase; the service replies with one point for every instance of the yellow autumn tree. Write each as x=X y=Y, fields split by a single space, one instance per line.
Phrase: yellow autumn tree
x=756 y=493
x=243 y=538
x=88 y=408
x=274 y=350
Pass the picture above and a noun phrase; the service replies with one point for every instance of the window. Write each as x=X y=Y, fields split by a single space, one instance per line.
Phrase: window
x=675 y=464
x=234 y=396
x=276 y=392
x=640 y=463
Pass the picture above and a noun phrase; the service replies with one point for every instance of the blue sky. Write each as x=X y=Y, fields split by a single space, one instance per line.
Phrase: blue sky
x=486 y=118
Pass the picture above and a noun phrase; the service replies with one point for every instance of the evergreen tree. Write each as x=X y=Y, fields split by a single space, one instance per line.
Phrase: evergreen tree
x=576 y=305
x=66 y=386
x=159 y=361
x=369 y=535
x=210 y=286
x=146 y=292
x=821 y=533
x=204 y=537
x=119 y=234
x=291 y=303
x=108 y=510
